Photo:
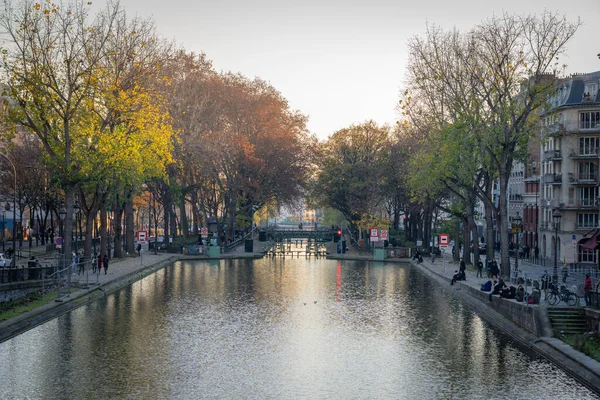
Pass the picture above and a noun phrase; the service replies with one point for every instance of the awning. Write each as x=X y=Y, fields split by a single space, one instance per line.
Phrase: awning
x=591 y=243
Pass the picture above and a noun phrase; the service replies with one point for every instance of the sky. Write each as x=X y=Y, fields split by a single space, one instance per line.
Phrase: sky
x=340 y=62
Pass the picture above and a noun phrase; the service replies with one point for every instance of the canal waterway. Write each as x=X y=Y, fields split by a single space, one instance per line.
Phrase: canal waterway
x=274 y=329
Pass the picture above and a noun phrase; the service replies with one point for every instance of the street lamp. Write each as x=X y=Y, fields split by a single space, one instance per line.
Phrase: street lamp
x=3 y=224
x=556 y=216
x=517 y=224
x=14 y=255
x=62 y=213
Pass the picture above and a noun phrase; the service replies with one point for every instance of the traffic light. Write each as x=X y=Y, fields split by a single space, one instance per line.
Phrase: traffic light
x=337 y=234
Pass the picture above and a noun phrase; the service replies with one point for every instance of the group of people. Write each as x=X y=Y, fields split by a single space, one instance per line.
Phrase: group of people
x=509 y=292
x=102 y=262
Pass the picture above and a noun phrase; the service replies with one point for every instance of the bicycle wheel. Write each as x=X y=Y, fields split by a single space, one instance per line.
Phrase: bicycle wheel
x=552 y=298
x=572 y=299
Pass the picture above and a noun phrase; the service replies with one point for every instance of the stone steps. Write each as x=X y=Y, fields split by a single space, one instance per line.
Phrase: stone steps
x=568 y=320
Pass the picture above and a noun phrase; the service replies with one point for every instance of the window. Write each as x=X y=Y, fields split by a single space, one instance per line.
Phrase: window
x=586 y=255
x=588 y=171
x=587 y=196
x=591 y=89
x=587 y=220
x=588 y=146
x=589 y=120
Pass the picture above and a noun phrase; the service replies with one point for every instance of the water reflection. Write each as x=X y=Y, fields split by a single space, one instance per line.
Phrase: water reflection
x=276 y=329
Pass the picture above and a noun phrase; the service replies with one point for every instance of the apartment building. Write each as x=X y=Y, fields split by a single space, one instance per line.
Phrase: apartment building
x=569 y=159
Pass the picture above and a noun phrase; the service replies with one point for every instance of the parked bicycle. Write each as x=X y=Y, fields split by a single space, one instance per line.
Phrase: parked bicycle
x=555 y=296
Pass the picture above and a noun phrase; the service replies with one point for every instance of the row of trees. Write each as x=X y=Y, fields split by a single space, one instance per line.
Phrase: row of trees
x=470 y=108
x=100 y=110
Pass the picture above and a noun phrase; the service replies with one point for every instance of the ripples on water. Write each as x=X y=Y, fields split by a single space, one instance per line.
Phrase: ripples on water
x=276 y=329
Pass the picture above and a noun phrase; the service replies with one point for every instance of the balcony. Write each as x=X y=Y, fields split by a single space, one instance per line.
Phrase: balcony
x=585 y=154
x=551 y=155
x=554 y=129
x=553 y=179
x=574 y=126
x=583 y=179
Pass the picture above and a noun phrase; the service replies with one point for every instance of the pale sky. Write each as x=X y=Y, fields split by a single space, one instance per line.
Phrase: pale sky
x=340 y=62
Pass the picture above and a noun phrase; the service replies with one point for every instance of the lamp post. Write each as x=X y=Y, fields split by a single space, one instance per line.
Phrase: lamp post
x=3 y=225
x=62 y=213
x=517 y=229
x=14 y=255
x=556 y=216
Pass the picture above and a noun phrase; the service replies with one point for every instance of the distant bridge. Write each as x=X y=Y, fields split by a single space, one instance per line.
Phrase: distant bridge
x=280 y=235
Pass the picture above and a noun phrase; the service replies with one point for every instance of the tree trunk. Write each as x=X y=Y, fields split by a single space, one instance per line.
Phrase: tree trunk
x=185 y=229
x=502 y=223
x=118 y=218
x=129 y=226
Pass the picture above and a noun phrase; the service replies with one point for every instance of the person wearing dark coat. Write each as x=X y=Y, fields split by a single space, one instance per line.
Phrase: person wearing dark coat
x=105 y=263
x=495 y=271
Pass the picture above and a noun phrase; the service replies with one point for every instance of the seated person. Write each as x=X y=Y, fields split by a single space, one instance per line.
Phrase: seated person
x=498 y=287
x=520 y=293
x=458 y=276
x=487 y=286
x=417 y=255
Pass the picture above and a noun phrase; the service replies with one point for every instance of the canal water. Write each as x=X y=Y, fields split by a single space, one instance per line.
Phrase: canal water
x=277 y=329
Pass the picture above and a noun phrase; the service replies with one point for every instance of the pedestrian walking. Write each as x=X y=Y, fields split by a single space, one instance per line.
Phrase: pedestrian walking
x=99 y=263
x=587 y=290
x=139 y=249
x=105 y=263
x=479 y=270
x=73 y=262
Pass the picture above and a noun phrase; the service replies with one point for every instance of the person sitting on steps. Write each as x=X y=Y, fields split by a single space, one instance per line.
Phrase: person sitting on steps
x=458 y=276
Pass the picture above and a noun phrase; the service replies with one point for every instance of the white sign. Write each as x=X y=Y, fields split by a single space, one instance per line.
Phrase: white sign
x=374 y=233
x=574 y=243
x=419 y=243
x=384 y=234
x=204 y=232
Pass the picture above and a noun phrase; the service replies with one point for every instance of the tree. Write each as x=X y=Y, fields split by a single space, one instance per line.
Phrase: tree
x=48 y=68
x=492 y=78
x=350 y=175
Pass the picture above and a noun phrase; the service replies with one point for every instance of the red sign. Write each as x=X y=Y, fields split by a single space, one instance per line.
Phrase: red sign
x=58 y=242
x=142 y=236
x=204 y=232
x=444 y=239
x=384 y=234
x=374 y=233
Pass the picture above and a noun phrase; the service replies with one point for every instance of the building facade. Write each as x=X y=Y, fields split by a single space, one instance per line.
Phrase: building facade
x=569 y=159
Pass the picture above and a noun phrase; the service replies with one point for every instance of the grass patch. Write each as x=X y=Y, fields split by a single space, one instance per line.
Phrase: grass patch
x=33 y=300
x=587 y=344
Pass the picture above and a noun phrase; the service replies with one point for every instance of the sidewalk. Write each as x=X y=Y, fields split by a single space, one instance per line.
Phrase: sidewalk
x=121 y=272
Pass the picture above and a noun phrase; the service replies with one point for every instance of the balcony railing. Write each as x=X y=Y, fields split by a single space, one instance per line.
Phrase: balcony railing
x=585 y=154
x=552 y=178
x=583 y=178
x=552 y=155
x=571 y=127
